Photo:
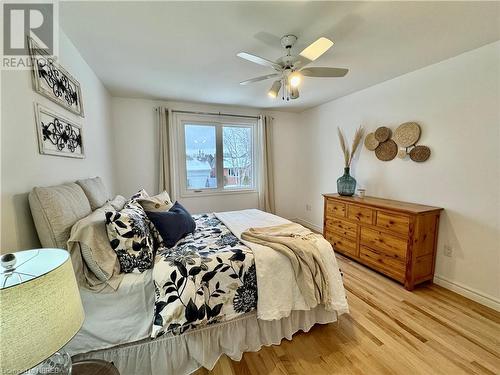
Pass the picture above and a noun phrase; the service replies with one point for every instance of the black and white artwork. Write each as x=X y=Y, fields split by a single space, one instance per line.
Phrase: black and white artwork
x=51 y=80
x=58 y=135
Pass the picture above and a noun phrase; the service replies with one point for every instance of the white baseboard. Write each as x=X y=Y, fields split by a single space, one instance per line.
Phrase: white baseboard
x=308 y=224
x=470 y=293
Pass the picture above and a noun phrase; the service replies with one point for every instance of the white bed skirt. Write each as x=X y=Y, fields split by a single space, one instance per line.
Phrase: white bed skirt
x=179 y=355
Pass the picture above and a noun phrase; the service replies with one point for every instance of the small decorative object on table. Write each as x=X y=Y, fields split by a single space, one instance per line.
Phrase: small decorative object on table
x=346 y=184
x=361 y=192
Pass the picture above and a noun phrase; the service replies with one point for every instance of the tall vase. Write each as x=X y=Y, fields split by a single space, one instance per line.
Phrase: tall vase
x=346 y=184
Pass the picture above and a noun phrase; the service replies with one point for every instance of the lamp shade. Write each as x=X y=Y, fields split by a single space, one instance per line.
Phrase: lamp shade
x=40 y=308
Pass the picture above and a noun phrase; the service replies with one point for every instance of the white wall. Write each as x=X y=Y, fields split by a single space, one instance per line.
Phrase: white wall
x=22 y=165
x=457 y=104
x=136 y=153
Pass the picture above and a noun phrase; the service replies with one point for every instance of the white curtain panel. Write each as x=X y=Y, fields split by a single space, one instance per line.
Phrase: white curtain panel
x=163 y=117
x=266 y=180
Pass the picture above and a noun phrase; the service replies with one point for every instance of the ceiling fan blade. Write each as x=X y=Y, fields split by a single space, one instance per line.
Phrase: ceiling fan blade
x=316 y=49
x=324 y=72
x=259 y=60
x=261 y=78
x=300 y=62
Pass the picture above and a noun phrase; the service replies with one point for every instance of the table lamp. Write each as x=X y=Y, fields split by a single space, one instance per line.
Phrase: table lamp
x=40 y=311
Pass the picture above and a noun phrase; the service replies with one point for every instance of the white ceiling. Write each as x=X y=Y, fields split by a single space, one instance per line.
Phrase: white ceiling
x=186 y=51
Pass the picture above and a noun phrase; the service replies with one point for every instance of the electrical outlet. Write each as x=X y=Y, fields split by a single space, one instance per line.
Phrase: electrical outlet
x=448 y=250
x=308 y=207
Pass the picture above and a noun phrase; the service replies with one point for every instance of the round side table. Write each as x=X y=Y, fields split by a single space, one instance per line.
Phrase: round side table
x=94 y=367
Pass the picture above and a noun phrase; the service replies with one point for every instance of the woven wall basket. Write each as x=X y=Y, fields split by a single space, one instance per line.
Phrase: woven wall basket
x=407 y=134
x=370 y=142
x=420 y=153
x=402 y=154
x=382 y=134
x=386 y=150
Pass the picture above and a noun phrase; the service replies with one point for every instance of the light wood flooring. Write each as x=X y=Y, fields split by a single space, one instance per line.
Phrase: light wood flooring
x=389 y=331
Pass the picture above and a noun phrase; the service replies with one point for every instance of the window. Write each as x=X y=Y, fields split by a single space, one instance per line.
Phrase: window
x=237 y=151
x=201 y=169
x=216 y=156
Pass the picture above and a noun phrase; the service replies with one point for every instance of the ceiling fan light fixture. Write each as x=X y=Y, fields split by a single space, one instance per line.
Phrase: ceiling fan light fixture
x=275 y=89
x=290 y=69
x=295 y=79
x=316 y=49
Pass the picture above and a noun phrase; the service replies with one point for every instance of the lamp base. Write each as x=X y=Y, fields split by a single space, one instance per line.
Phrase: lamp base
x=59 y=363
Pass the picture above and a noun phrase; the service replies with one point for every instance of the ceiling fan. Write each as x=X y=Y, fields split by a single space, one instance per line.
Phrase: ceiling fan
x=290 y=69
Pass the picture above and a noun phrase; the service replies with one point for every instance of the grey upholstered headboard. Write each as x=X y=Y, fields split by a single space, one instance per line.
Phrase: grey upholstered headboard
x=55 y=209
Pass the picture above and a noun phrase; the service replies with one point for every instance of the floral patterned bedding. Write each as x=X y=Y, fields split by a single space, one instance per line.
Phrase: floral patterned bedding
x=208 y=277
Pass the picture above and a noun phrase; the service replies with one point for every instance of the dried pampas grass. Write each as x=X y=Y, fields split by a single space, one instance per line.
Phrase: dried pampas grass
x=348 y=154
x=344 y=147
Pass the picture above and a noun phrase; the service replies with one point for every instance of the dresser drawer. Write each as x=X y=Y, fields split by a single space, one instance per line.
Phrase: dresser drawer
x=360 y=214
x=396 y=223
x=335 y=208
x=391 y=245
x=341 y=244
x=342 y=227
x=382 y=262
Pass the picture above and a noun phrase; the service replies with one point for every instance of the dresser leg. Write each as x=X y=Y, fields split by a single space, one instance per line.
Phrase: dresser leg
x=409 y=285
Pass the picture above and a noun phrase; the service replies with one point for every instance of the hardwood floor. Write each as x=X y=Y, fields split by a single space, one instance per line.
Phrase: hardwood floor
x=389 y=331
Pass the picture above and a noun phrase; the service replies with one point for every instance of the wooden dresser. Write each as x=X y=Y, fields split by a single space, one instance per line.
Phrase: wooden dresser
x=395 y=238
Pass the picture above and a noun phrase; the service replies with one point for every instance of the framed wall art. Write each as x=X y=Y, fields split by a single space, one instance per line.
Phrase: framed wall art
x=51 y=80
x=58 y=135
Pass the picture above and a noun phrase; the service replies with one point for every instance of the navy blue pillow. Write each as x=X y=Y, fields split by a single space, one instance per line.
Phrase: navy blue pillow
x=173 y=224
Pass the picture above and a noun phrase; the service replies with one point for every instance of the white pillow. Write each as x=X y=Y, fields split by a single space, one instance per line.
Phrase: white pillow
x=95 y=191
x=118 y=202
x=157 y=203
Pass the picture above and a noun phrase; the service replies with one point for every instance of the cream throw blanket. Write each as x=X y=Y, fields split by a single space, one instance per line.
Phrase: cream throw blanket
x=301 y=247
x=279 y=290
x=92 y=254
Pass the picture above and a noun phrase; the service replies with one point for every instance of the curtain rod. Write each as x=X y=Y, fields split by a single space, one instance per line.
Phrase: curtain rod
x=215 y=114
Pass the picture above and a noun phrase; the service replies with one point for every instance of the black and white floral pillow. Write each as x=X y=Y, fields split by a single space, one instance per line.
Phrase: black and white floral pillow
x=141 y=194
x=158 y=244
x=130 y=237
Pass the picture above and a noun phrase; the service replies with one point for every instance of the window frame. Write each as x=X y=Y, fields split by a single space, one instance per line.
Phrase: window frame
x=219 y=122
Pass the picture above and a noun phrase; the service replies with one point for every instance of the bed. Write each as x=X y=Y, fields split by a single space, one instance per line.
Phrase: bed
x=211 y=294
